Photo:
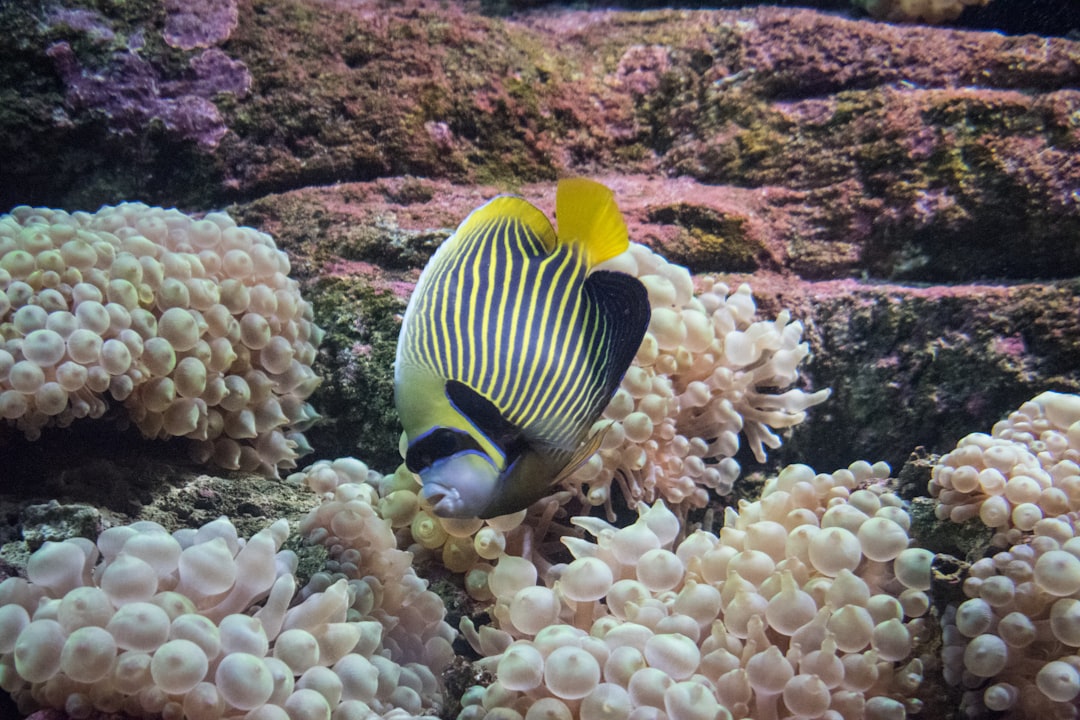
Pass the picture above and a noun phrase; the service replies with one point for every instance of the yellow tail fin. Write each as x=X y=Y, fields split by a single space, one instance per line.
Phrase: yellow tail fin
x=587 y=215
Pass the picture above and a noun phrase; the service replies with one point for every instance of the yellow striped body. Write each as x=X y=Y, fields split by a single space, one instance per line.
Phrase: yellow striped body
x=511 y=348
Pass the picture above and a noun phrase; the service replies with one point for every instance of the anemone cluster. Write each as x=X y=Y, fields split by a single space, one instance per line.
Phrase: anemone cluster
x=197 y=624
x=468 y=547
x=706 y=372
x=354 y=524
x=808 y=602
x=703 y=375
x=194 y=325
x=1027 y=469
x=1014 y=644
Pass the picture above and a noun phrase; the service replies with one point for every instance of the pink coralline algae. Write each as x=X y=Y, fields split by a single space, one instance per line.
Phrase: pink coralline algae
x=374 y=276
x=808 y=50
x=642 y=67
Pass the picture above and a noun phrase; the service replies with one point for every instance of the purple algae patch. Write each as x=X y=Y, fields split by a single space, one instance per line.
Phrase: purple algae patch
x=191 y=24
x=130 y=92
x=89 y=22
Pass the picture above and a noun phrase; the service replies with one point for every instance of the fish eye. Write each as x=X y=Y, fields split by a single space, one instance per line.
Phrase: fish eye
x=443 y=442
x=437 y=444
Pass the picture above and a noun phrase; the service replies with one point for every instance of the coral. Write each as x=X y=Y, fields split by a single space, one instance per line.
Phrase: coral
x=192 y=324
x=930 y=11
x=945 y=360
x=92 y=23
x=1025 y=470
x=706 y=371
x=890 y=134
x=200 y=625
x=793 y=610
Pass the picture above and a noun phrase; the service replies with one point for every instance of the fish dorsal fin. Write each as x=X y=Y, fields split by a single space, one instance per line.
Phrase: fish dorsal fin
x=588 y=217
x=508 y=206
x=487 y=419
x=624 y=304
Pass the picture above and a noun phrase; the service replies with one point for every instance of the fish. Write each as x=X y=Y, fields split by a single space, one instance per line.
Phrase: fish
x=511 y=345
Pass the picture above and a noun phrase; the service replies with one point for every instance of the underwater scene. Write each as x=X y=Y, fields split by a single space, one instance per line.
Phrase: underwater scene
x=527 y=360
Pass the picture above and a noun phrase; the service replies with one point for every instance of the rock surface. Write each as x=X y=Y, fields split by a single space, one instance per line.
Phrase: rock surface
x=909 y=192
x=911 y=152
x=909 y=365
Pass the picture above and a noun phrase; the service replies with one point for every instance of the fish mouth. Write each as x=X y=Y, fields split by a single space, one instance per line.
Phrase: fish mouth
x=444 y=501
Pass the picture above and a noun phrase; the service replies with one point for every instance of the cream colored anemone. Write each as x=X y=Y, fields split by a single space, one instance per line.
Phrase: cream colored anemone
x=201 y=624
x=193 y=325
x=705 y=373
x=1026 y=471
x=753 y=623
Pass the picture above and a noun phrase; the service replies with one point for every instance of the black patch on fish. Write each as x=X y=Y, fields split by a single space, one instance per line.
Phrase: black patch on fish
x=487 y=418
x=440 y=443
x=624 y=301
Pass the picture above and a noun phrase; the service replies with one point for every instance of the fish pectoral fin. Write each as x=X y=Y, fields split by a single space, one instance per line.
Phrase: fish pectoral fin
x=583 y=453
x=588 y=216
x=487 y=418
x=535 y=470
x=624 y=307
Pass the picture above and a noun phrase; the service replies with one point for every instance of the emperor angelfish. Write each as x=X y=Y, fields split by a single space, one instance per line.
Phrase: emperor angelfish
x=511 y=347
